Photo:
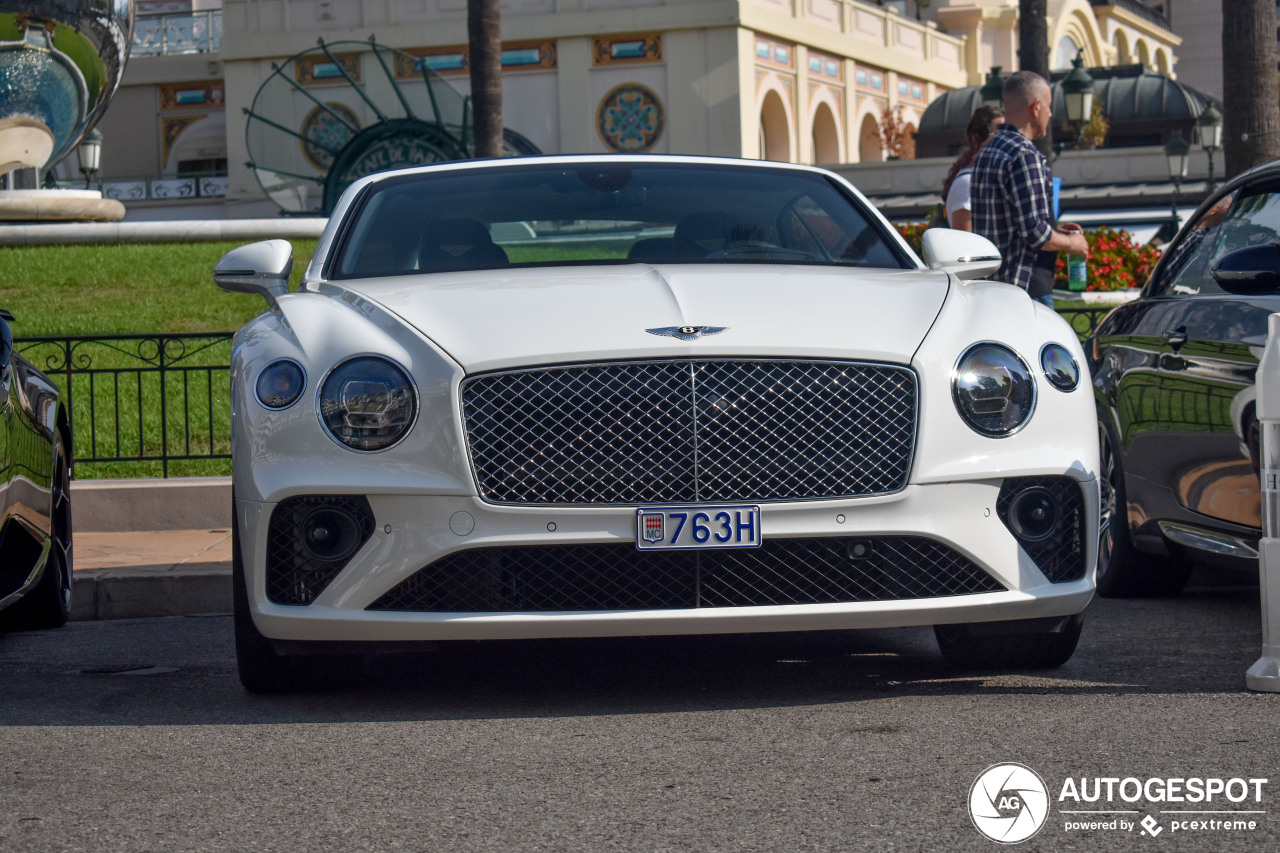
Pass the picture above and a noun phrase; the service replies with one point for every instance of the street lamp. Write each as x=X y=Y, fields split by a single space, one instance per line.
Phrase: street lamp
x=992 y=91
x=1209 y=129
x=89 y=153
x=1176 y=150
x=921 y=5
x=1077 y=91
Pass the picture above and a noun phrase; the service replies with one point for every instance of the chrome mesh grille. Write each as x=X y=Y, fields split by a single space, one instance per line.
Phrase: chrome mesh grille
x=691 y=430
x=834 y=570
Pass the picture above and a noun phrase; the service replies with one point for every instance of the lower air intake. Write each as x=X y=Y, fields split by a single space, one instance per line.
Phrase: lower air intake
x=621 y=577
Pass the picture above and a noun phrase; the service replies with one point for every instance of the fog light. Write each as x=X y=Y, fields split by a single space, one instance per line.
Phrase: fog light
x=330 y=533
x=1033 y=515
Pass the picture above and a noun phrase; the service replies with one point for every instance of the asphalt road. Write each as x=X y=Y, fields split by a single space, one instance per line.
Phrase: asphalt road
x=136 y=736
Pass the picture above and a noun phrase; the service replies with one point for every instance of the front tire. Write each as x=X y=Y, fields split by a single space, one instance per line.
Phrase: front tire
x=1029 y=644
x=261 y=668
x=1123 y=570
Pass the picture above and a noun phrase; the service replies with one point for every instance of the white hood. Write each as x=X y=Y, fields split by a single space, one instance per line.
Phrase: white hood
x=491 y=320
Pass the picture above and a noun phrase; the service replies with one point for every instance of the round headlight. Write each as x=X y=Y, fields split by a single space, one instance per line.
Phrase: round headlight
x=1059 y=367
x=993 y=390
x=368 y=403
x=280 y=385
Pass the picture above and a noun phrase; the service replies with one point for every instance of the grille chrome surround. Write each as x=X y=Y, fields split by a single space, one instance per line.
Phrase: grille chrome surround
x=544 y=578
x=683 y=430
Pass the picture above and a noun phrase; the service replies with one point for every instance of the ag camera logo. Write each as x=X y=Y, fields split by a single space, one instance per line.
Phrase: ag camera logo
x=1008 y=803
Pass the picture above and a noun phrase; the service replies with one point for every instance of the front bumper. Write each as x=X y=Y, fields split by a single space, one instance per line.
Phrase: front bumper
x=413 y=532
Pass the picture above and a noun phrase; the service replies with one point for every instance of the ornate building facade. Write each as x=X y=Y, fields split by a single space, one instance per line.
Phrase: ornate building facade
x=812 y=81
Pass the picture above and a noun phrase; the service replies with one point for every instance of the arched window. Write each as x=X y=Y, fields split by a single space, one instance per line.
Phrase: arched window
x=1123 y=56
x=869 y=150
x=826 y=139
x=1064 y=54
x=775 y=132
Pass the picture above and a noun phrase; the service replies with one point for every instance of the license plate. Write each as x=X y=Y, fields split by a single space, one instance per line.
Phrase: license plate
x=671 y=528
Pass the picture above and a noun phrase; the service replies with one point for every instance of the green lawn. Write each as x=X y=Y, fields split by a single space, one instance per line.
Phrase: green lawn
x=97 y=290
x=69 y=291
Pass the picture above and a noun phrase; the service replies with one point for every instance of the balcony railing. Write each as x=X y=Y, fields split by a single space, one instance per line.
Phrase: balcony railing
x=177 y=33
x=164 y=188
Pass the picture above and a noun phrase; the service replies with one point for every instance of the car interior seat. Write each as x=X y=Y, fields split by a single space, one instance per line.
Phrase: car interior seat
x=699 y=235
x=449 y=245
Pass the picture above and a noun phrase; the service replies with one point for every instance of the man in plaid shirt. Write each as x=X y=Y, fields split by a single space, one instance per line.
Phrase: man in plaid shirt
x=1011 y=191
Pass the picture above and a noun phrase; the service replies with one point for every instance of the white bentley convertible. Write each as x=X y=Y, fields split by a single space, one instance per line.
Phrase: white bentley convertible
x=618 y=396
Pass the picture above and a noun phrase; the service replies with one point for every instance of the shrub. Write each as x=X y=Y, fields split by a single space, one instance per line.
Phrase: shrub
x=1116 y=262
x=912 y=232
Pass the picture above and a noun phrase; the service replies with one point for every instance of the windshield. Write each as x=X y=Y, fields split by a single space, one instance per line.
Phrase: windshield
x=591 y=213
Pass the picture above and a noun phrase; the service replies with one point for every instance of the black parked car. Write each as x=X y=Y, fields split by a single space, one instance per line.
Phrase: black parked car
x=35 y=495
x=1173 y=374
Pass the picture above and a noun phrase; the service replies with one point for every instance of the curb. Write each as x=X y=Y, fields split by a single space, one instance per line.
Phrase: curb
x=178 y=503
x=176 y=581
x=141 y=593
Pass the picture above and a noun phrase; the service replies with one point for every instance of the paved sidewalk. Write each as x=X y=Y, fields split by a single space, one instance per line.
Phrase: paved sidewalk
x=128 y=575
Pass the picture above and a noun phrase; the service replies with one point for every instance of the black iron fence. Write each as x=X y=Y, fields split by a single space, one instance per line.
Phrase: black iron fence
x=1085 y=320
x=142 y=405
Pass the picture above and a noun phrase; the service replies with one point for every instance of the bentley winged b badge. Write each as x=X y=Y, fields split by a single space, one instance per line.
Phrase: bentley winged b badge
x=687 y=333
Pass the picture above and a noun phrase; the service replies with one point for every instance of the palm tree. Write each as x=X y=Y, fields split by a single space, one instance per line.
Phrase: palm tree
x=485 y=36
x=1033 y=49
x=1251 y=99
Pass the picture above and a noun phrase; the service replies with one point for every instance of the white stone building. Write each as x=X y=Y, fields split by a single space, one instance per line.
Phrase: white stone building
x=796 y=80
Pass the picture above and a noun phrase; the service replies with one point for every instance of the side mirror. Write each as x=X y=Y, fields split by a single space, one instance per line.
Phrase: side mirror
x=261 y=268
x=1251 y=271
x=961 y=253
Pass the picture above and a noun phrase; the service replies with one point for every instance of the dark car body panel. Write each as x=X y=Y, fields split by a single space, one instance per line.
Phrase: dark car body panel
x=29 y=423
x=1174 y=378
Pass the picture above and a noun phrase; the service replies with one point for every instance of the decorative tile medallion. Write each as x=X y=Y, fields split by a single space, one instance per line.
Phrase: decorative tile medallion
x=312 y=70
x=630 y=119
x=626 y=50
x=326 y=129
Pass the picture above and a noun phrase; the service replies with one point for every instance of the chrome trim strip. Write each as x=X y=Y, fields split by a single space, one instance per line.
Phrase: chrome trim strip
x=1204 y=540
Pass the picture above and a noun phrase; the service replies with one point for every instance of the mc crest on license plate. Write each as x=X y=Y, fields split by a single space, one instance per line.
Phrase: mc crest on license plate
x=653 y=526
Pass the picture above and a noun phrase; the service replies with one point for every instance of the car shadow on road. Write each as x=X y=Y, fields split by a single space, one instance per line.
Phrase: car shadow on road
x=182 y=671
